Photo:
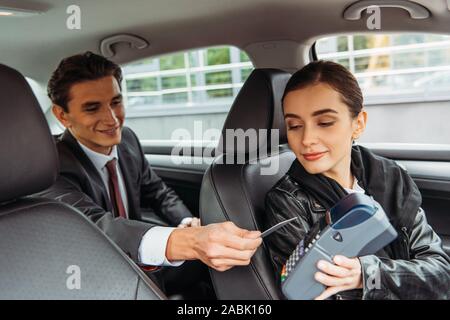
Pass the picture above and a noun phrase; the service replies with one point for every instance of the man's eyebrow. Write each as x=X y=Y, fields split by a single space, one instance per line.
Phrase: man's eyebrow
x=90 y=103
x=119 y=96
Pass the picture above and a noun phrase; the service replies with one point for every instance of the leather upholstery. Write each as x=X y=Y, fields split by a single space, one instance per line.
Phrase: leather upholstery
x=236 y=192
x=44 y=243
x=25 y=165
x=257 y=106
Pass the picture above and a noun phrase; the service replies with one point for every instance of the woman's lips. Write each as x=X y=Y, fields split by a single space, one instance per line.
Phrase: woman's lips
x=313 y=156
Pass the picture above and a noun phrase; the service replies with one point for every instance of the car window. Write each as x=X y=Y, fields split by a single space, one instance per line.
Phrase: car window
x=405 y=79
x=39 y=90
x=190 y=92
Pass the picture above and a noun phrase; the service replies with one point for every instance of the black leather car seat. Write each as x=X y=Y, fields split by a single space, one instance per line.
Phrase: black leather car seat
x=49 y=250
x=236 y=192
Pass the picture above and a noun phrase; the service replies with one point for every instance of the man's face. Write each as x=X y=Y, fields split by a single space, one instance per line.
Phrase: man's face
x=95 y=113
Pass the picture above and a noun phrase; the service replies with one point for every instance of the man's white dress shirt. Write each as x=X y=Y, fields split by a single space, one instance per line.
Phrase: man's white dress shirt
x=152 y=249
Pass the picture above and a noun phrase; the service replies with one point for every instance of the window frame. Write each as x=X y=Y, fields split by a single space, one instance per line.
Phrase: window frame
x=218 y=105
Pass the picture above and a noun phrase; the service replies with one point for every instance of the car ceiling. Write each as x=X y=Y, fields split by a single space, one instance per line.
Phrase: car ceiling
x=34 y=45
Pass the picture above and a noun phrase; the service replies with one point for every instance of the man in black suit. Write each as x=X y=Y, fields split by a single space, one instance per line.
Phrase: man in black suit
x=104 y=173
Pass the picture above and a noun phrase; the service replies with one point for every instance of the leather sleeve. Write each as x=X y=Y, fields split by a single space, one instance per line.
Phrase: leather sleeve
x=426 y=275
x=281 y=206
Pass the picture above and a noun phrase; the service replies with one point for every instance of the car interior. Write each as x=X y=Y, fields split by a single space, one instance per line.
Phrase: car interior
x=40 y=238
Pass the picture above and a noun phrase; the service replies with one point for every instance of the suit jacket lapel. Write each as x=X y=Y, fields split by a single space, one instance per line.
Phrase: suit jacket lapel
x=94 y=175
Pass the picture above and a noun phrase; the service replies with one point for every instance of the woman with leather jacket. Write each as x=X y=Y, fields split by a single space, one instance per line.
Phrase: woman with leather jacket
x=324 y=115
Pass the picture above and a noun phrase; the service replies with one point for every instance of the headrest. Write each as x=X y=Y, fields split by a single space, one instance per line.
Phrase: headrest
x=28 y=158
x=257 y=106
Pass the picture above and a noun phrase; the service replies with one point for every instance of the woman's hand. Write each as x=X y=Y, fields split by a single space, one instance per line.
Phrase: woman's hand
x=344 y=275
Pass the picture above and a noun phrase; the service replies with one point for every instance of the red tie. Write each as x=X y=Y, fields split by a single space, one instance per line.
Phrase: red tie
x=114 y=191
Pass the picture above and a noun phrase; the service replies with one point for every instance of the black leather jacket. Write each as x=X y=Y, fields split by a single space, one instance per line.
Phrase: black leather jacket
x=419 y=269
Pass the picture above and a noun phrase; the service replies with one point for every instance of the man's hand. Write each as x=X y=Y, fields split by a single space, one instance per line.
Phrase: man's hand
x=344 y=275
x=220 y=246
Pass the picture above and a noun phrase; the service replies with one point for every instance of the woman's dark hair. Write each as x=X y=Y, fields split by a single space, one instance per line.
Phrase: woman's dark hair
x=332 y=74
x=78 y=68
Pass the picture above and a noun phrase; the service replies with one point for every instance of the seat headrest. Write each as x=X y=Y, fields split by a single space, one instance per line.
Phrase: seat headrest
x=28 y=158
x=257 y=106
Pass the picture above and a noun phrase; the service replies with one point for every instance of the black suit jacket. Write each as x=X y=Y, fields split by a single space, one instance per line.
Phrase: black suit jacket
x=80 y=185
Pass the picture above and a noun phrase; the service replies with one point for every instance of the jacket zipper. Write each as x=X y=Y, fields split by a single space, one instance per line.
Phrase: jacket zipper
x=406 y=241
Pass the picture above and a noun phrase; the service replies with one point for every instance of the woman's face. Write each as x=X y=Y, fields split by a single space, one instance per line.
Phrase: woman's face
x=320 y=129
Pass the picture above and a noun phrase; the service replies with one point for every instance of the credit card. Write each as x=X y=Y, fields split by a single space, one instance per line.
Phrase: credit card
x=277 y=226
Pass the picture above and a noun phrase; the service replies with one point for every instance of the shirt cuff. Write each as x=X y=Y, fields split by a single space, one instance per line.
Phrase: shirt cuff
x=152 y=250
x=186 y=221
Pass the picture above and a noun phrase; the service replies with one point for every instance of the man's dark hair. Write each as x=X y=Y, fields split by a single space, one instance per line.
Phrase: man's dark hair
x=332 y=74
x=79 y=68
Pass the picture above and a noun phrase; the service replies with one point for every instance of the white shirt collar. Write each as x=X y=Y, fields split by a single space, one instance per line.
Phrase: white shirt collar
x=99 y=159
x=355 y=188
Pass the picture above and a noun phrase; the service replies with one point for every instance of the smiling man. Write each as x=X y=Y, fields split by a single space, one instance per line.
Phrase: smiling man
x=104 y=173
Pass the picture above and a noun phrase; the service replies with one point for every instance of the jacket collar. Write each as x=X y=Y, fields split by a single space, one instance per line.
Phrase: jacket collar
x=94 y=176
x=73 y=144
x=99 y=160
